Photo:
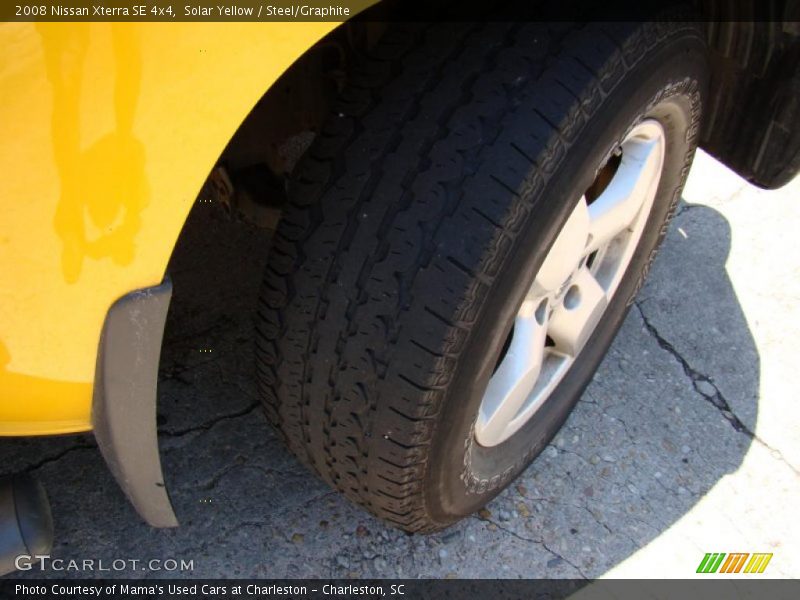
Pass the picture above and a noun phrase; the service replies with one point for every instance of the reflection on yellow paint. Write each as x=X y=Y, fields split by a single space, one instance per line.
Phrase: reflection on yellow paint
x=65 y=405
x=80 y=224
x=118 y=156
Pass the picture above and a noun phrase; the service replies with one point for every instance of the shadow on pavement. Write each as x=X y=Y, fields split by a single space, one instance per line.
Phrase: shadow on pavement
x=666 y=417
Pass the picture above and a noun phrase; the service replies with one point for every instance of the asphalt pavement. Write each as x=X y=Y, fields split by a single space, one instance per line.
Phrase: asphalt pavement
x=686 y=442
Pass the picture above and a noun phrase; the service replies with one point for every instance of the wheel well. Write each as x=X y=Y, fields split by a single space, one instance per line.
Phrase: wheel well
x=249 y=176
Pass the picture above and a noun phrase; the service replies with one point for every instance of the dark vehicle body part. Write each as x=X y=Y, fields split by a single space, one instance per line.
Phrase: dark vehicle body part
x=754 y=108
x=26 y=525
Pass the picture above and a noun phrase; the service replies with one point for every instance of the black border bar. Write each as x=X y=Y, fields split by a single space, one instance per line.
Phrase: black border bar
x=396 y=10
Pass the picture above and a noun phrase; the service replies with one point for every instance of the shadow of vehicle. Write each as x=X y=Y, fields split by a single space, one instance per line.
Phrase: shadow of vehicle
x=667 y=416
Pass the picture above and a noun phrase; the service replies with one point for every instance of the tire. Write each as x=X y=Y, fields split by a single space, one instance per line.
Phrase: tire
x=416 y=223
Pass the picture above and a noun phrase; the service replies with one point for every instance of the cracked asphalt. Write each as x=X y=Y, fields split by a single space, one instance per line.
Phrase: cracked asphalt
x=686 y=442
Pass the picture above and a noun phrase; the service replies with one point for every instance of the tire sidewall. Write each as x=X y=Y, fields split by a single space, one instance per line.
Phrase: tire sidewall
x=667 y=85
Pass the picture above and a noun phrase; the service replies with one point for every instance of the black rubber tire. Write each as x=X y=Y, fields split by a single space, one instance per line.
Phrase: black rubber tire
x=417 y=221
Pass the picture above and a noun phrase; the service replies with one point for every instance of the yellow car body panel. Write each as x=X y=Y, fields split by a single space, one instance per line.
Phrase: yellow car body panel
x=110 y=130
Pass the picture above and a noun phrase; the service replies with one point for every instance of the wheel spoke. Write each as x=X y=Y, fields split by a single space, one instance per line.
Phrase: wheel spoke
x=565 y=253
x=516 y=376
x=573 y=321
x=635 y=181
